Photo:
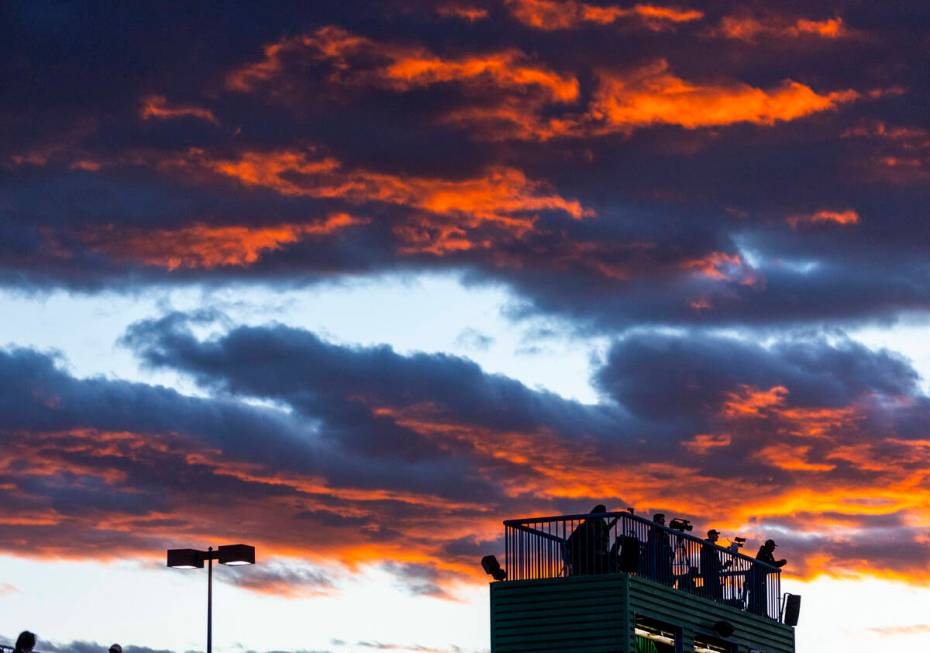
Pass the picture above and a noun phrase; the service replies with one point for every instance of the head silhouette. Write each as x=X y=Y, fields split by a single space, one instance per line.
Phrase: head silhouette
x=599 y=508
x=26 y=641
x=659 y=518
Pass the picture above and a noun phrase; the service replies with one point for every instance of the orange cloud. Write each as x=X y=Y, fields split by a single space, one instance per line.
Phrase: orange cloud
x=748 y=401
x=157 y=107
x=899 y=154
x=748 y=28
x=847 y=217
x=555 y=14
x=446 y=212
x=703 y=443
x=358 y=60
x=721 y=266
x=790 y=458
x=202 y=246
x=652 y=95
x=463 y=11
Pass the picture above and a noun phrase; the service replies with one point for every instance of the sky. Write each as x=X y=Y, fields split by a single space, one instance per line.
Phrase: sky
x=354 y=282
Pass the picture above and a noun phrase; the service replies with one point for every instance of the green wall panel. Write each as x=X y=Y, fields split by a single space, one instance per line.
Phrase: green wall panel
x=595 y=614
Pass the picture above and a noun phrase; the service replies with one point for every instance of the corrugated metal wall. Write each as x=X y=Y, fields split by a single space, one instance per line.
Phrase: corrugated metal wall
x=595 y=614
x=583 y=613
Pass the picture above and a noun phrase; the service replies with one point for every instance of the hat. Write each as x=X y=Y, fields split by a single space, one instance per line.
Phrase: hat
x=713 y=531
x=116 y=648
x=770 y=543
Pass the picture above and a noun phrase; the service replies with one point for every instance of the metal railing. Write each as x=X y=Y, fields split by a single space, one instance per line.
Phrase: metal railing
x=611 y=542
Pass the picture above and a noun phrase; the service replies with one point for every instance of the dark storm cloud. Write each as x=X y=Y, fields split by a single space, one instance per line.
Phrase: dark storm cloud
x=801 y=424
x=611 y=165
x=376 y=457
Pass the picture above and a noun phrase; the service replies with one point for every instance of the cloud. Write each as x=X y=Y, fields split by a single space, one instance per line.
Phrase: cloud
x=410 y=461
x=910 y=629
x=825 y=216
x=474 y=339
x=653 y=95
x=751 y=28
x=477 y=148
x=281 y=577
x=206 y=246
x=401 y=67
x=464 y=11
x=157 y=107
x=551 y=15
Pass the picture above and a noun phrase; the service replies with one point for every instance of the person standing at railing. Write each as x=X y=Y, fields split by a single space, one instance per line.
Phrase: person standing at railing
x=25 y=642
x=758 y=594
x=711 y=566
x=588 y=544
x=659 y=553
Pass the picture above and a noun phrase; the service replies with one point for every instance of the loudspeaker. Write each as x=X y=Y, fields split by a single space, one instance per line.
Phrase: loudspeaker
x=792 y=609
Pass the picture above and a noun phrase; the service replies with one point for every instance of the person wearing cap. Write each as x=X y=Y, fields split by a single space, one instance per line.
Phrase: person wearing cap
x=758 y=599
x=115 y=648
x=767 y=554
x=711 y=566
x=659 y=553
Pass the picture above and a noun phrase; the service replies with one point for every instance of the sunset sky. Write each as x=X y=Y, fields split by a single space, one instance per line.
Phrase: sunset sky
x=355 y=281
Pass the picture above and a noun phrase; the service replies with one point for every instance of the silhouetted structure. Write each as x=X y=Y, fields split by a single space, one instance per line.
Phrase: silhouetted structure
x=618 y=583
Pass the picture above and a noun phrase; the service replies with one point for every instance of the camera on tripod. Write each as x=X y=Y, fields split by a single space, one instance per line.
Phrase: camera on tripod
x=680 y=525
x=737 y=544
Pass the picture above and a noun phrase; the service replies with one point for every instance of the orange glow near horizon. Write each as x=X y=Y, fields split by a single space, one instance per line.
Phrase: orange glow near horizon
x=526 y=464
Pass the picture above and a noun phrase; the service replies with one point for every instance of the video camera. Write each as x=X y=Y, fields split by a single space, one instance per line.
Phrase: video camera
x=737 y=544
x=680 y=525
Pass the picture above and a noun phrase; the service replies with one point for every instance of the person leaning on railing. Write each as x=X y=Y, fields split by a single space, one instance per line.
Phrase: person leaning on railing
x=757 y=590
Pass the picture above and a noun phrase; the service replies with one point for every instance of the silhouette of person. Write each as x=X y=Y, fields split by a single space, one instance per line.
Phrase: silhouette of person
x=588 y=544
x=711 y=567
x=115 y=648
x=758 y=600
x=25 y=642
x=659 y=554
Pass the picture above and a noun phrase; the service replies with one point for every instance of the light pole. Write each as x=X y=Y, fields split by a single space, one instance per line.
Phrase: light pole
x=226 y=554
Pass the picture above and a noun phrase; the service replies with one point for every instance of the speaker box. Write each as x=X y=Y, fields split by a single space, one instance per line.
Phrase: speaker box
x=792 y=609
